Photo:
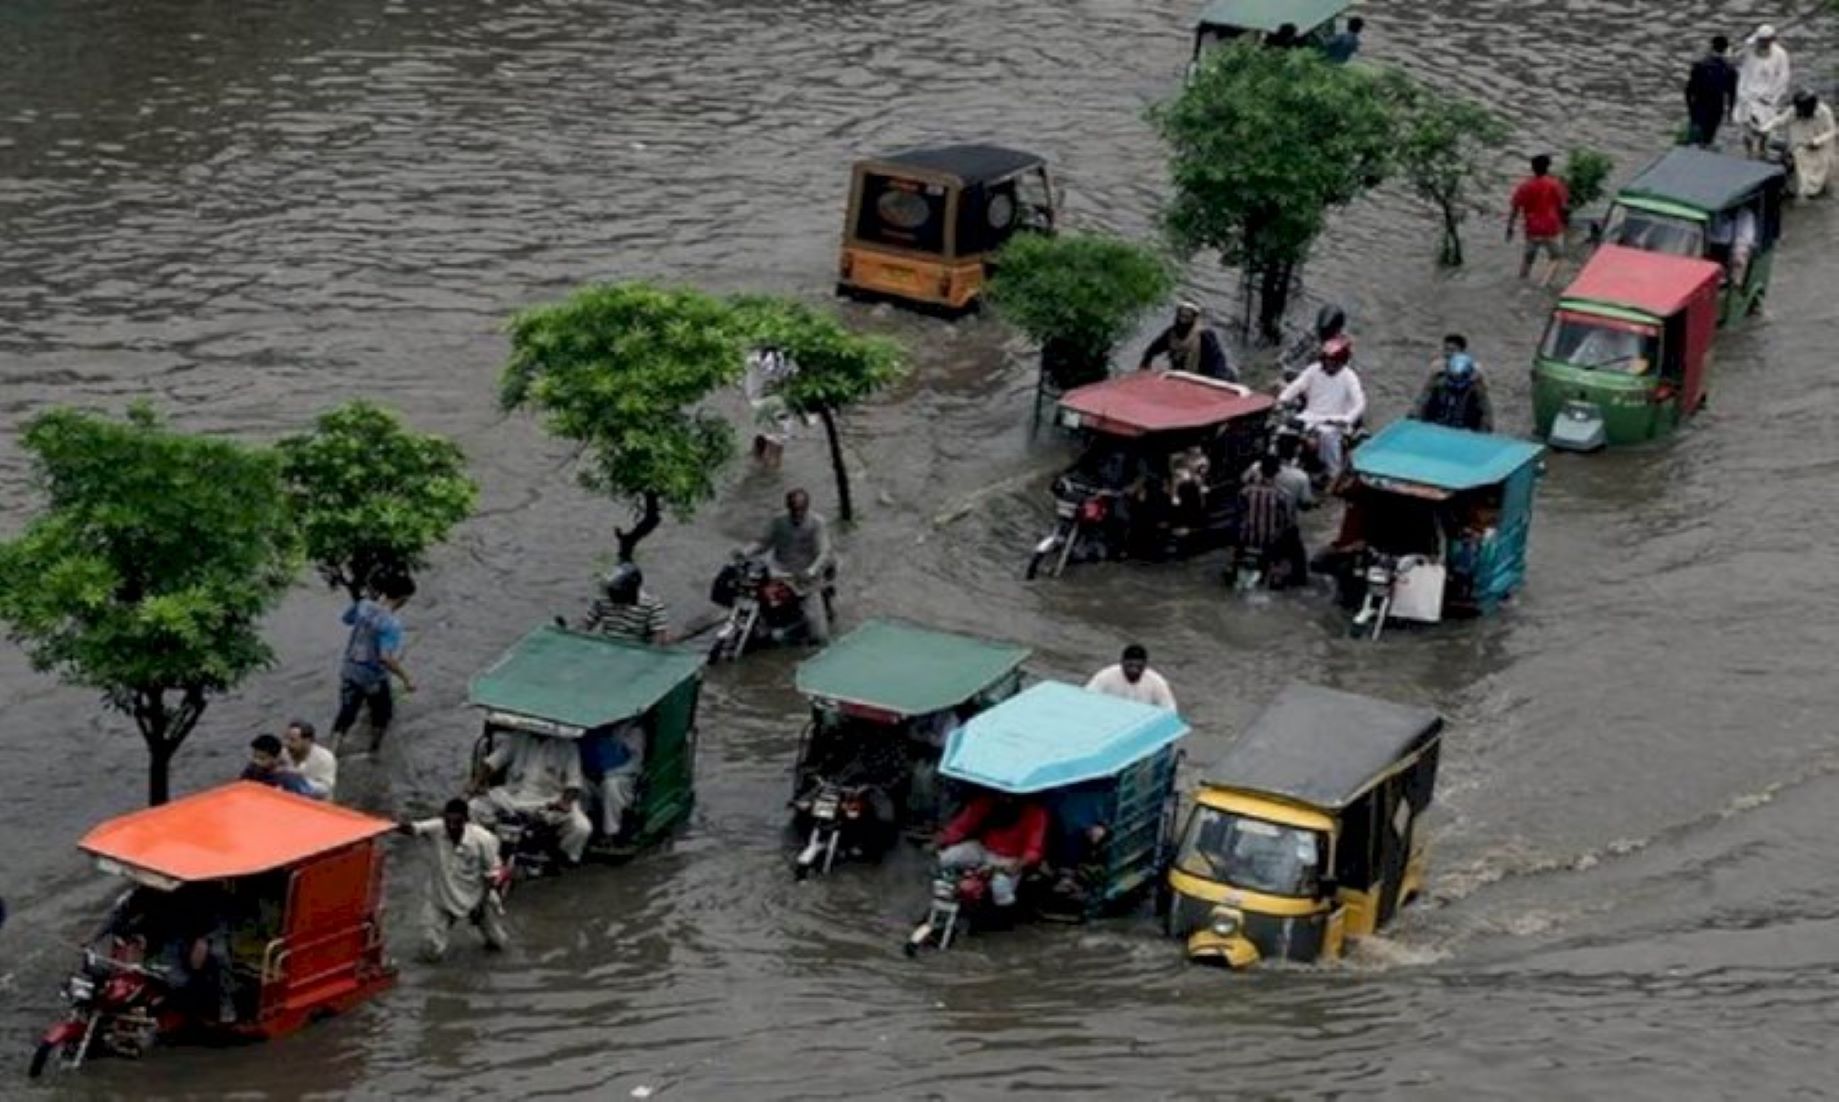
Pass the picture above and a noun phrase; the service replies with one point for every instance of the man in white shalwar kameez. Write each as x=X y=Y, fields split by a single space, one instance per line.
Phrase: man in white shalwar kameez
x=1762 y=88
x=1809 y=129
x=542 y=780
x=463 y=873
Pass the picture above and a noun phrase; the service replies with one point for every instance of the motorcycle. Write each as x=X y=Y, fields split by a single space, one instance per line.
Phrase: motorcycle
x=1077 y=518
x=118 y=1006
x=1309 y=448
x=763 y=608
x=843 y=819
x=1382 y=572
x=954 y=892
x=1247 y=569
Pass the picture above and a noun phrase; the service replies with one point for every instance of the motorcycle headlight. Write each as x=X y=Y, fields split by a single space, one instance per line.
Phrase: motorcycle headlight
x=79 y=988
x=1224 y=922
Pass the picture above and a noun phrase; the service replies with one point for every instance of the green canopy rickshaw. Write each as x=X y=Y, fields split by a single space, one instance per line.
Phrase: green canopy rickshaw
x=1225 y=21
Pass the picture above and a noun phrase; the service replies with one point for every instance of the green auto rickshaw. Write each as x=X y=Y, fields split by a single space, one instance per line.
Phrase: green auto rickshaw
x=1224 y=21
x=1695 y=203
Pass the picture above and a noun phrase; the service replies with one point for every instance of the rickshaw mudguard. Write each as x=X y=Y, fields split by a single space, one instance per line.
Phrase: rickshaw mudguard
x=1235 y=952
x=1627 y=406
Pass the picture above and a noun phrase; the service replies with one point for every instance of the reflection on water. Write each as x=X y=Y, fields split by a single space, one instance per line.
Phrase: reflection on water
x=250 y=210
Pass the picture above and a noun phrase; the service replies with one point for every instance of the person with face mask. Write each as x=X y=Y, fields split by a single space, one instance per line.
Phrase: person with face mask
x=1808 y=128
x=1191 y=346
x=1455 y=396
x=1332 y=400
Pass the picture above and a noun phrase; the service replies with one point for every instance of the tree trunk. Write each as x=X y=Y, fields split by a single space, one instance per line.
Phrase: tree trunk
x=164 y=732
x=845 y=510
x=159 y=770
x=1273 y=300
x=649 y=515
x=1451 y=256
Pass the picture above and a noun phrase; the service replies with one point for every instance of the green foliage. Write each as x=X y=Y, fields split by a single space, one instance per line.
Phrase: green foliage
x=1442 y=142
x=1264 y=143
x=622 y=369
x=370 y=496
x=146 y=574
x=1586 y=175
x=1085 y=291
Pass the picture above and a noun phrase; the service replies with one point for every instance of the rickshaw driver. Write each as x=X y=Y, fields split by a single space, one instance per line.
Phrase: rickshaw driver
x=543 y=780
x=1192 y=347
x=799 y=543
x=1333 y=400
x=998 y=831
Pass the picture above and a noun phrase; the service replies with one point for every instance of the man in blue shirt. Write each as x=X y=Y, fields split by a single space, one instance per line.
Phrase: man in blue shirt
x=1342 y=47
x=372 y=654
x=265 y=768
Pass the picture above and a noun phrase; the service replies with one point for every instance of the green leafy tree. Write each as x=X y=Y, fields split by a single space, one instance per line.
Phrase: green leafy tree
x=1586 y=177
x=622 y=369
x=835 y=367
x=1077 y=295
x=371 y=496
x=147 y=572
x=1442 y=142
x=1263 y=144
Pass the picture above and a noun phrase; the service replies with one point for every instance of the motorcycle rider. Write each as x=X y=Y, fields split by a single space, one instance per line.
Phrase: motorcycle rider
x=999 y=831
x=1192 y=347
x=1333 y=402
x=626 y=610
x=799 y=545
x=1456 y=396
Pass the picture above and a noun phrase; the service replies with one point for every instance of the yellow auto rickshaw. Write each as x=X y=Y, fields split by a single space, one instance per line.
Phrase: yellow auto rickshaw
x=923 y=223
x=1310 y=835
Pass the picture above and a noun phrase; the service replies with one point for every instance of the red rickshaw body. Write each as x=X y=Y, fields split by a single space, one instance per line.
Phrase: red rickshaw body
x=1146 y=402
x=1661 y=285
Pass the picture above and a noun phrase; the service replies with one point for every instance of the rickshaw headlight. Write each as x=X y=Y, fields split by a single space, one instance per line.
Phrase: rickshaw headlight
x=1224 y=922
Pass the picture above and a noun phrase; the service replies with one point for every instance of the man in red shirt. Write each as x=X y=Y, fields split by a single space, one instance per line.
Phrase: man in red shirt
x=1541 y=200
x=998 y=831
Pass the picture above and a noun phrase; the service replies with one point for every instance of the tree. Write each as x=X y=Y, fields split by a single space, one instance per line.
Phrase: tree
x=1263 y=144
x=146 y=573
x=1442 y=141
x=1586 y=175
x=1077 y=295
x=834 y=368
x=370 y=496
x=621 y=369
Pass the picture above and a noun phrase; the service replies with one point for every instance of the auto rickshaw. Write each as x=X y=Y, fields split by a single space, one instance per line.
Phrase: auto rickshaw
x=1624 y=356
x=1695 y=203
x=1435 y=524
x=1225 y=21
x=1163 y=453
x=629 y=709
x=1308 y=834
x=924 y=223
x=1094 y=774
x=250 y=913
x=883 y=699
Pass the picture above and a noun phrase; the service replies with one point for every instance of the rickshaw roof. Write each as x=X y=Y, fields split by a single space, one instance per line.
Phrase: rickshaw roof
x=238 y=829
x=580 y=679
x=1660 y=284
x=907 y=669
x=1702 y=179
x=1054 y=734
x=971 y=164
x=1144 y=402
x=1446 y=458
x=1323 y=747
x=1268 y=15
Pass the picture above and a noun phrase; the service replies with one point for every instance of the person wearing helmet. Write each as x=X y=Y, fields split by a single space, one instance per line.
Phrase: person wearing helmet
x=1808 y=130
x=1189 y=345
x=1763 y=80
x=1332 y=400
x=625 y=611
x=1455 y=395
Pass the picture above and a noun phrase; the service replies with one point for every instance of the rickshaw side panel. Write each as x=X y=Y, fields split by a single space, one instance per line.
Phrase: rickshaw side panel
x=331 y=953
x=1501 y=568
x=1137 y=818
x=668 y=789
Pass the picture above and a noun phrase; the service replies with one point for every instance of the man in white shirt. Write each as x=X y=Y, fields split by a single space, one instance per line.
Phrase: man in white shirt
x=463 y=871
x=1333 y=400
x=542 y=780
x=1762 y=88
x=1132 y=679
x=314 y=764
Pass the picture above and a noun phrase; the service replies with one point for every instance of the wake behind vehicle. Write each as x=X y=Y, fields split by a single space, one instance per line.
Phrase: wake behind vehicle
x=1101 y=770
x=883 y=699
x=1435 y=525
x=1128 y=494
x=252 y=912
x=1224 y=21
x=924 y=223
x=1624 y=356
x=1694 y=203
x=1309 y=833
x=593 y=693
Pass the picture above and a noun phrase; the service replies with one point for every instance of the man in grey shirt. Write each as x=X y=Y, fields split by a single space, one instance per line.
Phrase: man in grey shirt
x=798 y=544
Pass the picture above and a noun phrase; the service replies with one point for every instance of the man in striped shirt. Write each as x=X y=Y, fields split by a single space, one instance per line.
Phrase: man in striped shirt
x=626 y=611
x=1268 y=526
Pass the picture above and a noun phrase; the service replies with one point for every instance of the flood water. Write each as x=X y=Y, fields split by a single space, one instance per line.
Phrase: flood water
x=248 y=211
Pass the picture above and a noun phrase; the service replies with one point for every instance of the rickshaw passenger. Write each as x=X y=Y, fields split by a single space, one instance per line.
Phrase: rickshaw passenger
x=999 y=831
x=1732 y=240
x=613 y=759
x=1077 y=851
x=542 y=781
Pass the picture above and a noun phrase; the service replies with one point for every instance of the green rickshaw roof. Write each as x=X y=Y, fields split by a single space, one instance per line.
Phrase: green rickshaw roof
x=906 y=669
x=1268 y=15
x=581 y=680
x=1701 y=179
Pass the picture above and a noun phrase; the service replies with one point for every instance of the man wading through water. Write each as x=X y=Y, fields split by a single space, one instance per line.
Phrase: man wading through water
x=372 y=655
x=1191 y=347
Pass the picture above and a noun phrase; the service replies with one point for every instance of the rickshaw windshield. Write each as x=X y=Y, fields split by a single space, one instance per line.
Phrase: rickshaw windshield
x=1601 y=344
x=1249 y=853
x=1655 y=233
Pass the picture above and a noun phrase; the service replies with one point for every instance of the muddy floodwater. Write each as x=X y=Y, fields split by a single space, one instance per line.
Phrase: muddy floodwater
x=248 y=210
